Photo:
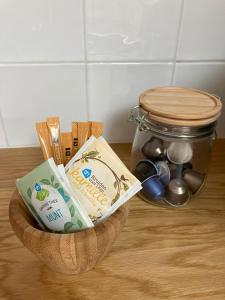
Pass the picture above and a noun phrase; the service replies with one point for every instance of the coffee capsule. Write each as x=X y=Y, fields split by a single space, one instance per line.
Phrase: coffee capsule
x=176 y=170
x=153 y=188
x=173 y=170
x=187 y=166
x=153 y=148
x=177 y=192
x=194 y=179
x=179 y=152
x=145 y=169
x=163 y=171
x=179 y=171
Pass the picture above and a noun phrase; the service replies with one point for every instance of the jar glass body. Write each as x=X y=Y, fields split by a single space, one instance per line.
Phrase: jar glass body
x=170 y=161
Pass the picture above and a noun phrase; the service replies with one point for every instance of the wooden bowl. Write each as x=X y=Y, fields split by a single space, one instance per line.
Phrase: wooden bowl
x=68 y=253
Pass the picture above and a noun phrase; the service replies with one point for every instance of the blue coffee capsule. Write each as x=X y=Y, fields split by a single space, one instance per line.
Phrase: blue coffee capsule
x=145 y=169
x=153 y=188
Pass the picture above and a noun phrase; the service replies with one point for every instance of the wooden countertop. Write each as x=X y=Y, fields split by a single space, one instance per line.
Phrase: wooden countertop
x=161 y=253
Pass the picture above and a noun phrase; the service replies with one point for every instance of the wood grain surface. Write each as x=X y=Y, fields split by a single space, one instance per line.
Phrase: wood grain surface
x=161 y=253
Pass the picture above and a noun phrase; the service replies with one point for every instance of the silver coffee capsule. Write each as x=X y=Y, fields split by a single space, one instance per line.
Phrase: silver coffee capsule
x=179 y=152
x=153 y=148
x=177 y=192
x=163 y=171
x=194 y=179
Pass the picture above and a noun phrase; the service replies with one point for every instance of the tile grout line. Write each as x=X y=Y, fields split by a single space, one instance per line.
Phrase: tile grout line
x=177 y=41
x=191 y=61
x=85 y=57
x=4 y=129
x=54 y=63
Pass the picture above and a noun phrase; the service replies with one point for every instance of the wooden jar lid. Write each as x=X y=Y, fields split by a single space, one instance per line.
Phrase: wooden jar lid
x=180 y=106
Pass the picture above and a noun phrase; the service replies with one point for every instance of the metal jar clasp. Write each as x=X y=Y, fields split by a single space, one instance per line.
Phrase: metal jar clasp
x=137 y=116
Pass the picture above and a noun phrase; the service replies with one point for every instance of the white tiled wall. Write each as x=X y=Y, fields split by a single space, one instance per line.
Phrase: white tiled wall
x=114 y=88
x=132 y=30
x=90 y=59
x=32 y=92
x=41 y=30
x=202 y=35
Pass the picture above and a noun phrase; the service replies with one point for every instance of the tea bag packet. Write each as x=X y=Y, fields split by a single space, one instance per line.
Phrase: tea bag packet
x=55 y=137
x=83 y=131
x=44 y=139
x=96 y=129
x=49 y=200
x=74 y=137
x=67 y=146
x=135 y=188
x=100 y=180
x=63 y=177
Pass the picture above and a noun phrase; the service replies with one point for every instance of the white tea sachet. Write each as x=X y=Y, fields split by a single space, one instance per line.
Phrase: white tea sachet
x=100 y=180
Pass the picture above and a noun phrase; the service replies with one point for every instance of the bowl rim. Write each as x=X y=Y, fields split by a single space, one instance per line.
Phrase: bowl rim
x=16 y=204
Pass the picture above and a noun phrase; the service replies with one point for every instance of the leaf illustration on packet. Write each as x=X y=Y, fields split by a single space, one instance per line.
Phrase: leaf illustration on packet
x=72 y=210
x=68 y=226
x=29 y=192
x=45 y=181
x=62 y=193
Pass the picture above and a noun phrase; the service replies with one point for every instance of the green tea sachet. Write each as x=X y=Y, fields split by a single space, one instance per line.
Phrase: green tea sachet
x=49 y=200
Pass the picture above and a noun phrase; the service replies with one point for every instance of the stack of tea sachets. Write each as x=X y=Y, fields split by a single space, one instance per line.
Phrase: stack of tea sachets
x=92 y=186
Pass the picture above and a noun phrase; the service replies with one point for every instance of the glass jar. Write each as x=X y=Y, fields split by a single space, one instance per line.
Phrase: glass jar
x=172 y=144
